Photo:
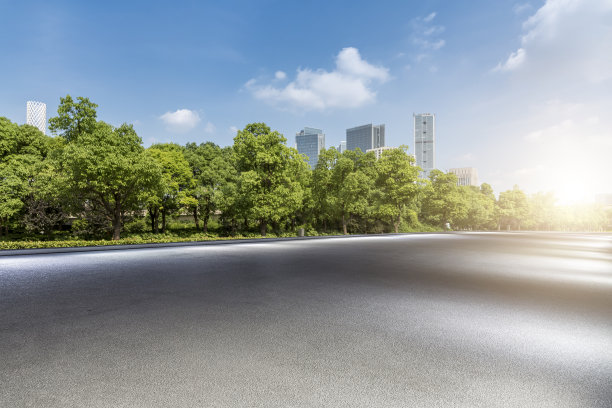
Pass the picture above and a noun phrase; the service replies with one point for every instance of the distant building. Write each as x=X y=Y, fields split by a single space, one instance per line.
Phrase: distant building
x=425 y=142
x=342 y=146
x=365 y=137
x=378 y=151
x=36 y=115
x=466 y=176
x=310 y=142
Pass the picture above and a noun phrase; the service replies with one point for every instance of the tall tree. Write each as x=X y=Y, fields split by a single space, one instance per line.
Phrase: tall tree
x=397 y=182
x=74 y=118
x=106 y=171
x=176 y=181
x=212 y=168
x=513 y=208
x=265 y=182
x=22 y=151
x=443 y=202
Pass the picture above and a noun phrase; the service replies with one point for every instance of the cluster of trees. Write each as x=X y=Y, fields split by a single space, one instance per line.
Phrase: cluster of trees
x=100 y=176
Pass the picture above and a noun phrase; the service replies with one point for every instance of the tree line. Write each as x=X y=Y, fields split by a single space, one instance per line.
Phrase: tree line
x=101 y=177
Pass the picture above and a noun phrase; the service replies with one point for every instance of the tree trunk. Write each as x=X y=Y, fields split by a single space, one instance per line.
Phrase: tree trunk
x=234 y=226
x=164 y=221
x=344 y=225
x=205 y=218
x=117 y=222
x=397 y=222
x=195 y=218
x=156 y=222
x=154 y=214
x=262 y=227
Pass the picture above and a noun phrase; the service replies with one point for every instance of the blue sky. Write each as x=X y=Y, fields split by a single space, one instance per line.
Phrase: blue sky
x=521 y=90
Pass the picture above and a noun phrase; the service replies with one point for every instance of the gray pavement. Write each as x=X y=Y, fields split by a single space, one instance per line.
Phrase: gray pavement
x=425 y=320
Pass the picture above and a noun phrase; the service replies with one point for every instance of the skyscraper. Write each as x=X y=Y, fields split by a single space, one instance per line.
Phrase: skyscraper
x=425 y=142
x=36 y=115
x=310 y=141
x=342 y=146
x=365 y=137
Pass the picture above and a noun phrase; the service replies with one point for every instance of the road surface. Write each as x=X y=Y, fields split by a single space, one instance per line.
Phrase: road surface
x=424 y=320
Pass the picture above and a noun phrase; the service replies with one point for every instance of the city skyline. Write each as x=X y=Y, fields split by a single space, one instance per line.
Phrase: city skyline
x=512 y=92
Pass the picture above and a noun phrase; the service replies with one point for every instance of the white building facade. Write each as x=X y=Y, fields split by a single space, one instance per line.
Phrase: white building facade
x=466 y=176
x=36 y=115
x=379 y=150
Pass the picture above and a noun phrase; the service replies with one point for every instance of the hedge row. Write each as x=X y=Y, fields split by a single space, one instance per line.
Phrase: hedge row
x=6 y=245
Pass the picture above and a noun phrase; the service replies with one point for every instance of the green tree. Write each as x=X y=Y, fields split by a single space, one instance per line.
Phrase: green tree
x=74 y=118
x=513 y=208
x=265 y=181
x=323 y=188
x=542 y=212
x=443 y=202
x=176 y=181
x=480 y=208
x=22 y=151
x=105 y=172
x=212 y=168
x=397 y=183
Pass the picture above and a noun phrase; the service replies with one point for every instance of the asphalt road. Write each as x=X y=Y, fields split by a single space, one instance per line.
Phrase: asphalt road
x=424 y=320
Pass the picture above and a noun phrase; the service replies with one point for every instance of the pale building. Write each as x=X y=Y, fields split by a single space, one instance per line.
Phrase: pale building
x=379 y=150
x=36 y=115
x=342 y=146
x=425 y=142
x=466 y=176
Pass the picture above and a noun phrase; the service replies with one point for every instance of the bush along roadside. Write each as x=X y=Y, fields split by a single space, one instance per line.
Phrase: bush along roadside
x=11 y=245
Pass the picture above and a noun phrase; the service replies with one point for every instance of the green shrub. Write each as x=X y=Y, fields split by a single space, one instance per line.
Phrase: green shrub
x=136 y=226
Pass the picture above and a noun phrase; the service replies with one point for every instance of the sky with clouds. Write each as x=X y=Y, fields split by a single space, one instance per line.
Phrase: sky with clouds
x=521 y=89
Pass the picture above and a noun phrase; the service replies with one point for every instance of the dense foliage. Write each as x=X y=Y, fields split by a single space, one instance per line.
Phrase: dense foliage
x=95 y=181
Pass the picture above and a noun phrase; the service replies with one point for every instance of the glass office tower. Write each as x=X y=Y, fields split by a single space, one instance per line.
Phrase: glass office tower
x=365 y=137
x=310 y=141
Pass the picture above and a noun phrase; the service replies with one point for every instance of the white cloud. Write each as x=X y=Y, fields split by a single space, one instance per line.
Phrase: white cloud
x=209 y=128
x=430 y=45
x=426 y=36
x=566 y=39
x=181 y=120
x=348 y=86
x=514 y=61
x=521 y=8
x=280 y=75
x=430 y=17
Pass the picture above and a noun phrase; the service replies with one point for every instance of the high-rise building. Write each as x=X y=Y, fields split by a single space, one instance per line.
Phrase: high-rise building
x=425 y=142
x=378 y=151
x=36 y=115
x=310 y=141
x=342 y=146
x=466 y=176
x=365 y=137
